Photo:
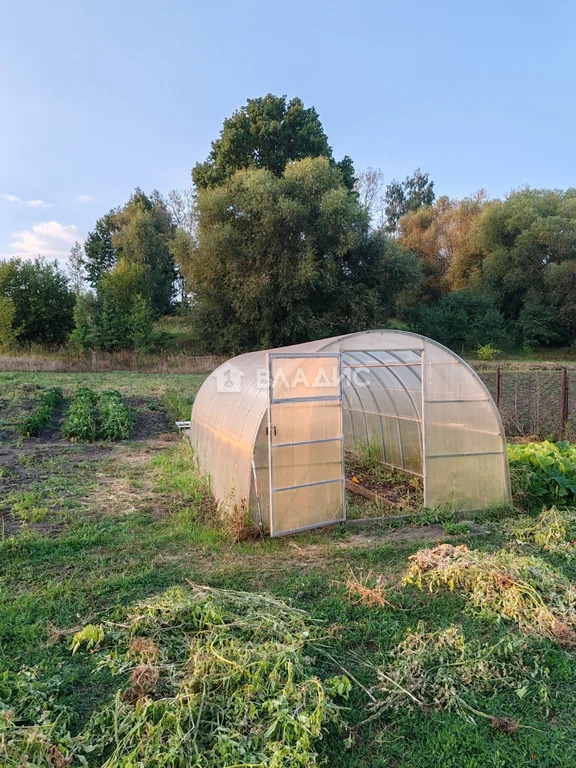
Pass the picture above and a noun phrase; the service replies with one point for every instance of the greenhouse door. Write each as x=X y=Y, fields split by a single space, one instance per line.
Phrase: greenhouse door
x=306 y=442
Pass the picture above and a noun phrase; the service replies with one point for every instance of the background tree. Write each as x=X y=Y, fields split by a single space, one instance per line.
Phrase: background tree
x=143 y=231
x=82 y=337
x=461 y=320
x=370 y=188
x=284 y=259
x=42 y=299
x=76 y=268
x=111 y=329
x=8 y=332
x=401 y=197
x=524 y=240
x=268 y=133
x=442 y=235
x=99 y=252
x=141 y=324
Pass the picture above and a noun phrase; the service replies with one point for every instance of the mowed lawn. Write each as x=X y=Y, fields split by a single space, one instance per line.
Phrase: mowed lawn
x=87 y=530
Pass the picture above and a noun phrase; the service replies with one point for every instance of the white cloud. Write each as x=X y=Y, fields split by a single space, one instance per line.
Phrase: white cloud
x=29 y=203
x=48 y=238
x=85 y=199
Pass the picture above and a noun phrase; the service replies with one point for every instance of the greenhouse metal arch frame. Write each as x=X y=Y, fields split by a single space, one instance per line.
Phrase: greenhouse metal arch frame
x=270 y=427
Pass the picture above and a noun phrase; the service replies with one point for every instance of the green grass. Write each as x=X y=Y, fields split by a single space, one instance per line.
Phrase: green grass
x=135 y=520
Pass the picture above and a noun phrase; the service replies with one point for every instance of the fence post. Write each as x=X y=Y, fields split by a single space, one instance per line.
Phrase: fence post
x=498 y=385
x=564 y=403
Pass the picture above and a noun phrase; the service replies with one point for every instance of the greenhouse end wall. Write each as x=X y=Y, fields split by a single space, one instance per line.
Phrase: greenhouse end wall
x=419 y=403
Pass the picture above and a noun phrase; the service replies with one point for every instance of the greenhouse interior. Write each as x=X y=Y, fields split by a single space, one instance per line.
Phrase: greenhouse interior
x=271 y=428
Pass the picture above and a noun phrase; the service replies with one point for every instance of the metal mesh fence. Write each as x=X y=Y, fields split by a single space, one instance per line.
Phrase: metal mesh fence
x=535 y=402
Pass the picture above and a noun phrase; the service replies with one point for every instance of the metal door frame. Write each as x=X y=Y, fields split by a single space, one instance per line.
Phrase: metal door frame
x=270 y=431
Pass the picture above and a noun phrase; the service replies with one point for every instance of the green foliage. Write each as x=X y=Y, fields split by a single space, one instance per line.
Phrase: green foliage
x=544 y=473
x=34 y=423
x=456 y=529
x=409 y=195
x=268 y=133
x=502 y=585
x=91 y=636
x=82 y=418
x=114 y=417
x=287 y=259
x=99 y=252
x=27 y=506
x=42 y=302
x=129 y=252
x=250 y=697
x=461 y=320
x=554 y=530
x=82 y=337
x=8 y=333
x=445 y=669
x=141 y=324
x=525 y=239
x=111 y=323
x=487 y=352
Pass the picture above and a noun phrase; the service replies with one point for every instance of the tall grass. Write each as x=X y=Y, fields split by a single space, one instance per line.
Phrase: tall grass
x=65 y=361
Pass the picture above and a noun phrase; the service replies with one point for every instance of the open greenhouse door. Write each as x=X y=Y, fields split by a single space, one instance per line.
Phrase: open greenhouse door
x=306 y=441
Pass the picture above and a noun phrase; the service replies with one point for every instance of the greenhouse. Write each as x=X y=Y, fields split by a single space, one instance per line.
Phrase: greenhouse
x=270 y=428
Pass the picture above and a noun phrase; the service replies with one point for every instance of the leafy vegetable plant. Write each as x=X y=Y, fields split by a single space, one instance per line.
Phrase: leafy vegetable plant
x=115 y=419
x=544 y=473
x=81 y=421
x=33 y=424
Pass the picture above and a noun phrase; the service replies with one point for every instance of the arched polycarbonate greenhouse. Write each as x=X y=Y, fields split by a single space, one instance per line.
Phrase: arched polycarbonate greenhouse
x=270 y=427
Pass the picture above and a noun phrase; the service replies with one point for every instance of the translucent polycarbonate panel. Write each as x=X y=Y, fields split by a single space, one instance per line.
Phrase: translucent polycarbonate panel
x=296 y=377
x=309 y=463
x=308 y=507
x=411 y=445
x=466 y=482
x=461 y=427
x=299 y=422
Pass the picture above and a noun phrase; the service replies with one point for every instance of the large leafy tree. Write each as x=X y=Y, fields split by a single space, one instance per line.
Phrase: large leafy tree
x=99 y=252
x=285 y=259
x=42 y=301
x=401 y=197
x=268 y=133
x=442 y=235
x=135 y=240
x=529 y=244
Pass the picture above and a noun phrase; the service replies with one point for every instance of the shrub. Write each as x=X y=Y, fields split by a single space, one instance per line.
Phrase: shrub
x=34 y=423
x=81 y=421
x=8 y=334
x=487 y=352
x=544 y=473
x=115 y=419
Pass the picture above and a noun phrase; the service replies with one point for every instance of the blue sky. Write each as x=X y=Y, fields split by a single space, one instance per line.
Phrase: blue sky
x=99 y=97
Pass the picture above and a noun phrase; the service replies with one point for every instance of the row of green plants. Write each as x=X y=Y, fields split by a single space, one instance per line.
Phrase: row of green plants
x=543 y=474
x=97 y=417
x=32 y=424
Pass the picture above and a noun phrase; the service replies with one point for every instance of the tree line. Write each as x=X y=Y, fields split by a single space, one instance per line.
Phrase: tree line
x=279 y=242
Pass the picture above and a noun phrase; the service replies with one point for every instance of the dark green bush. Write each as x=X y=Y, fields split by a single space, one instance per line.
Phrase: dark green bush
x=115 y=419
x=82 y=419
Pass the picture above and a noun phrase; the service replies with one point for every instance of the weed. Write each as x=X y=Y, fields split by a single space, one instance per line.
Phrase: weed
x=27 y=506
x=444 y=669
x=502 y=585
x=554 y=530
x=456 y=529
x=368 y=589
